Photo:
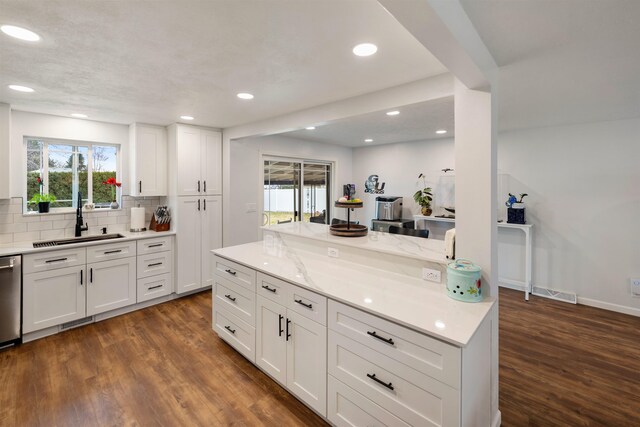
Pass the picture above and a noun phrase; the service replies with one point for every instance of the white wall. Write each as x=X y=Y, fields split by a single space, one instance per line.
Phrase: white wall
x=245 y=178
x=47 y=126
x=398 y=165
x=583 y=183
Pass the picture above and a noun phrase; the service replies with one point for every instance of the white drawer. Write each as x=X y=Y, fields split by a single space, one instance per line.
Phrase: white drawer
x=237 y=333
x=154 y=264
x=235 y=299
x=415 y=398
x=110 y=251
x=52 y=260
x=154 y=287
x=157 y=244
x=235 y=272
x=348 y=408
x=307 y=303
x=273 y=289
x=435 y=358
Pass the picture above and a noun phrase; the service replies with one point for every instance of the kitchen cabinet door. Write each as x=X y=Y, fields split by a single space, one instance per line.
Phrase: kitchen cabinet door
x=189 y=158
x=271 y=349
x=188 y=244
x=211 y=216
x=211 y=165
x=307 y=361
x=112 y=284
x=51 y=298
x=148 y=145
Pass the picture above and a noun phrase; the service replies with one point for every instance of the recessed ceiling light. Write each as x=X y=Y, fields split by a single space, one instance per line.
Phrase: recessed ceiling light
x=310 y=127
x=244 y=95
x=20 y=33
x=365 y=49
x=79 y=115
x=368 y=140
x=20 y=88
x=393 y=113
x=186 y=117
x=441 y=131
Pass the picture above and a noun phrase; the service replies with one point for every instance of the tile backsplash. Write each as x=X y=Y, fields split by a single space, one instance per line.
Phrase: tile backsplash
x=16 y=227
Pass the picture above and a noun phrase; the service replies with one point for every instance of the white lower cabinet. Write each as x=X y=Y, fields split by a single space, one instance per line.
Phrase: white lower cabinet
x=51 y=298
x=112 y=284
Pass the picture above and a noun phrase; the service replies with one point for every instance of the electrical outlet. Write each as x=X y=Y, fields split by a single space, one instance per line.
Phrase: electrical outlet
x=333 y=252
x=431 y=275
x=635 y=286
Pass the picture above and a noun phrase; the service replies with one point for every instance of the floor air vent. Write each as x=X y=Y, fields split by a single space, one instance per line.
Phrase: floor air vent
x=78 y=322
x=569 y=297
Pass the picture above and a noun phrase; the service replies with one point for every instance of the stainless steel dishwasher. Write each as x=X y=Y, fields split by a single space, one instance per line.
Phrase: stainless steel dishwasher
x=10 y=299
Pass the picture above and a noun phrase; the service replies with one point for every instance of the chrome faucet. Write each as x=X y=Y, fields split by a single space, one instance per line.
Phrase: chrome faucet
x=79 y=221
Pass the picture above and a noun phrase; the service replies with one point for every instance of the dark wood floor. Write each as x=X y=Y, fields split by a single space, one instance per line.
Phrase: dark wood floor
x=560 y=365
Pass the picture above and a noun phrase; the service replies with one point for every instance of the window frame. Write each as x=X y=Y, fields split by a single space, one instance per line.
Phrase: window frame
x=45 y=169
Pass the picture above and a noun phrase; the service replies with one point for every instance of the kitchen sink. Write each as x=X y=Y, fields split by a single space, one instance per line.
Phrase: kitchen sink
x=61 y=242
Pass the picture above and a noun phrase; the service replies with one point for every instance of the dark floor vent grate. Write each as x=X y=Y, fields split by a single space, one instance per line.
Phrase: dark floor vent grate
x=78 y=322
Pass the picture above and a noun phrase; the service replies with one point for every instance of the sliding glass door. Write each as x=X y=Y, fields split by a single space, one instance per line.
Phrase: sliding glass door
x=296 y=190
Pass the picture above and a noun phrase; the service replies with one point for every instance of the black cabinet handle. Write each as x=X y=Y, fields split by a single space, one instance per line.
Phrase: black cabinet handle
x=154 y=264
x=140 y=187
x=299 y=301
x=288 y=334
x=113 y=252
x=204 y=202
x=280 y=330
x=156 y=245
x=233 y=273
x=81 y=276
x=228 y=328
x=375 y=335
x=205 y=186
x=154 y=287
x=274 y=290
x=91 y=275
x=55 y=260
x=230 y=297
x=373 y=377
x=198 y=204
x=198 y=186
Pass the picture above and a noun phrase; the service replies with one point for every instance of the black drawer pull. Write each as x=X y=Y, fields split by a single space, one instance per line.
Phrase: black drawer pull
x=230 y=297
x=154 y=264
x=228 y=328
x=81 y=276
x=233 y=273
x=299 y=301
x=280 y=330
x=156 y=245
x=373 y=377
x=198 y=186
x=274 y=290
x=155 y=287
x=113 y=252
x=205 y=186
x=56 y=260
x=375 y=335
x=288 y=334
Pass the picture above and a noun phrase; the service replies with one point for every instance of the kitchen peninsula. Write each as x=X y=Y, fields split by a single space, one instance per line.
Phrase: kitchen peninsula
x=348 y=326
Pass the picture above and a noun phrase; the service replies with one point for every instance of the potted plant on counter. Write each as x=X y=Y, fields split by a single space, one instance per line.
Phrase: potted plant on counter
x=113 y=184
x=424 y=197
x=43 y=201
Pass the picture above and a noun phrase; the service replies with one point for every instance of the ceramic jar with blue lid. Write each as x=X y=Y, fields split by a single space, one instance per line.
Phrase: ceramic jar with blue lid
x=464 y=281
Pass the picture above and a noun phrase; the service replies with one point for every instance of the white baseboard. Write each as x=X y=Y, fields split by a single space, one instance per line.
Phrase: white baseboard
x=511 y=286
x=633 y=311
x=497 y=419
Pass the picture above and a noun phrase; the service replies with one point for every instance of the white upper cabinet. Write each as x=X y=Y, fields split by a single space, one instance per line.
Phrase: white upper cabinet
x=148 y=160
x=196 y=160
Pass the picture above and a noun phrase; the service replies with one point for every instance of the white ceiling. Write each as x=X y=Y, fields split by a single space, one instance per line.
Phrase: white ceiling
x=562 y=61
x=415 y=122
x=152 y=61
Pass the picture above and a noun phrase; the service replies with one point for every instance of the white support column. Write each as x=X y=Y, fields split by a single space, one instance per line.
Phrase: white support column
x=5 y=151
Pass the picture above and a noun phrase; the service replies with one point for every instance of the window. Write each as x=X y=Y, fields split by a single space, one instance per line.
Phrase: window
x=64 y=168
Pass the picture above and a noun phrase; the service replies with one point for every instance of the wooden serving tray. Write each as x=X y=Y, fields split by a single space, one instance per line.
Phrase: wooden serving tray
x=348 y=230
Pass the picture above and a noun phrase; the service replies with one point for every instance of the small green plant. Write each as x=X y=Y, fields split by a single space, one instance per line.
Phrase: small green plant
x=424 y=196
x=42 y=198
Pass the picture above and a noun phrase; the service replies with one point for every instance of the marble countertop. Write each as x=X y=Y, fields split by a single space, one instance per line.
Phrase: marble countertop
x=377 y=241
x=18 y=248
x=420 y=305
